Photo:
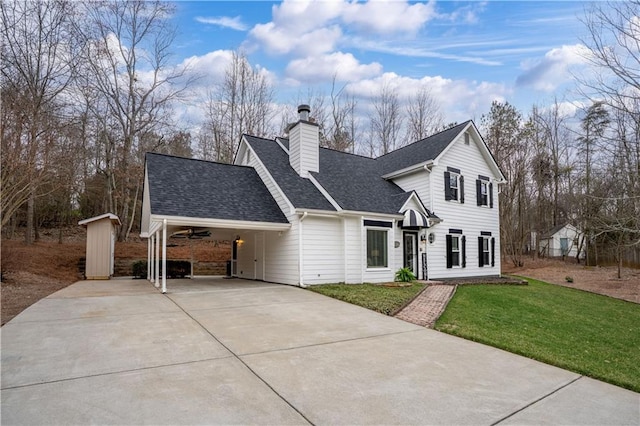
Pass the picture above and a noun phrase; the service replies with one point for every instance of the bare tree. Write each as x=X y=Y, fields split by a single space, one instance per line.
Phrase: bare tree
x=509 y=142
x=613 y=37
x=128 y=48
x=242 y=103
x=37 y=50
x=424 y=116
x=385 y=121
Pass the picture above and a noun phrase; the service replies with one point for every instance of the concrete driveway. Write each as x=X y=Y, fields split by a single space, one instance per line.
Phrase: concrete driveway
x=241 y=352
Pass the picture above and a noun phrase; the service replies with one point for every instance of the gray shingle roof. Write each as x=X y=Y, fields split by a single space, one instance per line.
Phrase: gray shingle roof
x=301 y=192
x=355 y=183
x=204 y=189
x=420 y=151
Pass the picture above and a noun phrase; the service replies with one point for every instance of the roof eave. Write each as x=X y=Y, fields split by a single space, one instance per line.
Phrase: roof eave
x=425 y=165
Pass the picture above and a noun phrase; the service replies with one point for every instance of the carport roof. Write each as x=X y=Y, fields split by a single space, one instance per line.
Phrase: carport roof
x=204 y=189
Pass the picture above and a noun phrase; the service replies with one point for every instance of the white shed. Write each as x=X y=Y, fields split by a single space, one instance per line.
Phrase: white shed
x=563 y=240
x=101 y=240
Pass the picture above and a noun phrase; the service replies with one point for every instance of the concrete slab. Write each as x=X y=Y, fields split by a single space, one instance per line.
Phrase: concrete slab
x=261 y=328
x=37 y=352
x=58 y=308
x=213 y=284
x=99 y=288
x=244 y=296
x=221 y=391
x=584 y=402
x=419 y=377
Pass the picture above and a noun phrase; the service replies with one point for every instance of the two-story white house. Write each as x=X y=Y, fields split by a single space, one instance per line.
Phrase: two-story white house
x=300 y=214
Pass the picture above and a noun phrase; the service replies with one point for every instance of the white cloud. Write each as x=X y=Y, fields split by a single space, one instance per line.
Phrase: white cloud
x=553 y=69
x=308 y=27
x=344 y=66
x=234 y=23
x=280 y=40
x=460 y=100
x=388 y=16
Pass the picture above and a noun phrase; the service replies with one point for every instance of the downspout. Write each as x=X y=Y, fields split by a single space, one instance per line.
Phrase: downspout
x=344 y=247
x=148 y=259
x=300 y=250
x=426 y=167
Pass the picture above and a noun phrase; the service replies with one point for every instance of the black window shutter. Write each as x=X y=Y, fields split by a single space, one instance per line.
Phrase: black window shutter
x=447 y=186
x=493 y=252
x=480 y=253
x=449 y=257
x=461 y=183
x=479 y=192
x=464 y=251
x=490 y=195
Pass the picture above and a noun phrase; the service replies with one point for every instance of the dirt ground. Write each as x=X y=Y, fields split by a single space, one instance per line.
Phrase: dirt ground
x=30 y=273
x=596 y=279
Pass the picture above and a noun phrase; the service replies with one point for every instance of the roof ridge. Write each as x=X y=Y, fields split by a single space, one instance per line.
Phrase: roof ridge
x=424 y=139
x=195 y=159
x=349 y=153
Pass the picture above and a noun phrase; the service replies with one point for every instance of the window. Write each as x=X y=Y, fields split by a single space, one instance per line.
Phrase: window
x=486 y=249
x=484 y=191
x=453 y=185
x=456 y=252
x=377 y=248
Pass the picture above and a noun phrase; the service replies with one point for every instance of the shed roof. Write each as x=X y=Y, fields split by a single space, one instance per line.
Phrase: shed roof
x=112 y=217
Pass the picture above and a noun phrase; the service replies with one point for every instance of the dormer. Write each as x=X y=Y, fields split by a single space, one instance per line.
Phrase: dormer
x=304 y=144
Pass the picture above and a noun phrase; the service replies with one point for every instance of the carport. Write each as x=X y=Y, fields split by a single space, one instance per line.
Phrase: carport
x=161 y=229
x=183 y=195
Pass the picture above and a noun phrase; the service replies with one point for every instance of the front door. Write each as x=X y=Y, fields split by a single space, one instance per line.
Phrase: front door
x=411 y=252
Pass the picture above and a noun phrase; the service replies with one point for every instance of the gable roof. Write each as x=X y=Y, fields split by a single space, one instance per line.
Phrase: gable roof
x=205 y=189
x=419 y=152
x=301 y=192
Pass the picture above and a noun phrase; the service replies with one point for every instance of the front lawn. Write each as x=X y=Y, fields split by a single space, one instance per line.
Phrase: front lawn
x=589 y=334
x=386 y=300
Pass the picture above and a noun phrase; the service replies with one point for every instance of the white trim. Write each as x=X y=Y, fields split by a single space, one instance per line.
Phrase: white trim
x=282 y=145
x=417 y=200
x=324 y=192
x=344 y=249
x=301 y=250
x=266 y=170
x=221 y=223
x=409 y=170
x=157 y=275
x=109 y=216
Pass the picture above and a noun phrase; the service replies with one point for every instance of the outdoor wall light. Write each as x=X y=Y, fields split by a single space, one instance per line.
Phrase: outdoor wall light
x=423 y=238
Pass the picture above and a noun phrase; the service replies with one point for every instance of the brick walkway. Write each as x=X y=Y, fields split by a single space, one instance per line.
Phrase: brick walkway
x=425 y=309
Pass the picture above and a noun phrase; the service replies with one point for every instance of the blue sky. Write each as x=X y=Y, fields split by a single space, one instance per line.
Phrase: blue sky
x=466 y=53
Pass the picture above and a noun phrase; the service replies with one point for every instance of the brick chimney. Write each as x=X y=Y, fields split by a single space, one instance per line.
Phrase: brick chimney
x=304 y=144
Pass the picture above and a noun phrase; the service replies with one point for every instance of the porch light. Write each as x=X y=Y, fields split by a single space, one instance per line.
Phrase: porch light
x=423 y=238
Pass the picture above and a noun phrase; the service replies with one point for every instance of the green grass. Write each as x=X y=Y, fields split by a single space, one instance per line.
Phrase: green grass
x=589 y=334
x=386 y=300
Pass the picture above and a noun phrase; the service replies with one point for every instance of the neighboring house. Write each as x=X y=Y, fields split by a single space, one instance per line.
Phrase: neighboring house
x=561 y=241
x=300 y=214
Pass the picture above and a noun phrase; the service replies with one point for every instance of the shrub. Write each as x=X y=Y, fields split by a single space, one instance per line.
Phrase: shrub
x=405 y=275
x=140 y=269
x=175 y=268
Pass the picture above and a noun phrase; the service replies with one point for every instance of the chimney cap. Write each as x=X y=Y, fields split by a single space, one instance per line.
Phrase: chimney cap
x=304 y=107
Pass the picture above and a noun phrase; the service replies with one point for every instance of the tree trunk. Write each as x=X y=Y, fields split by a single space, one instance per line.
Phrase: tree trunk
x=28 y=236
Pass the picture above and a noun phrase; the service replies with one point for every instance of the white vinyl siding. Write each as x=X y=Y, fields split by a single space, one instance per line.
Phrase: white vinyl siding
x=304 y=148
x=353 y=251
x=281 y=255
x=467 y=216
x=322 y=248
x=419 y=182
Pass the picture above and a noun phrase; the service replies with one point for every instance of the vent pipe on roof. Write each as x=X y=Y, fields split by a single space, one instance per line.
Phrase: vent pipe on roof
x=304 y=111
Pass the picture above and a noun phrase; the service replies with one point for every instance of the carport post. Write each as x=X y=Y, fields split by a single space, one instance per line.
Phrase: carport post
x=157 y=241
x=151 y=268
x=164 y=256
x=148 y=258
